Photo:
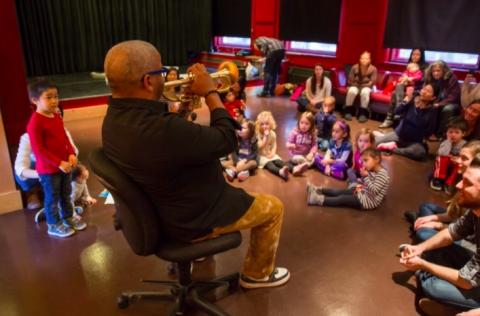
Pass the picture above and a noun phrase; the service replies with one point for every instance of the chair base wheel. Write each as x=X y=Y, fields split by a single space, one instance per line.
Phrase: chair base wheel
x=123 y=302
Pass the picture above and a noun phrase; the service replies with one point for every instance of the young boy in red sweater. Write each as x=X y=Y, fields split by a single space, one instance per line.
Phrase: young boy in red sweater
x=55 y=159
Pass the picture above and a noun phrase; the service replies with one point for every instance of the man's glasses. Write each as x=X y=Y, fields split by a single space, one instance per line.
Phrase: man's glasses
x=163 y=71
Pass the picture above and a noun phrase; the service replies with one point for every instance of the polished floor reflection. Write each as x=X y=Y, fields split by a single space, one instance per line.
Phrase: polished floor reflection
x=343 y=262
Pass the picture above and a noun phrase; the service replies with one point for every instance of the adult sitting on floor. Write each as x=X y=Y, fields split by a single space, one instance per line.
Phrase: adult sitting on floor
x=176 y=162
x=418 y=121
x=317 y=88
x=448 y=101
x=448 y=273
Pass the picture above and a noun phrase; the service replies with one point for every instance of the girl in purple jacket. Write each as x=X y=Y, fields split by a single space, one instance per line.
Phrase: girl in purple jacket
x=302 y=144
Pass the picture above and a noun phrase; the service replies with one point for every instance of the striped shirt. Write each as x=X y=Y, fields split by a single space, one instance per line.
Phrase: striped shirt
x=373 y=189
x=267 y=44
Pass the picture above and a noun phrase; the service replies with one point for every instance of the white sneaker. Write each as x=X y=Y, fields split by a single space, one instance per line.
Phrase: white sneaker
x=243 y=175
x=284 y=173
x=230 y=174
x=313 y=198
x=278 y=277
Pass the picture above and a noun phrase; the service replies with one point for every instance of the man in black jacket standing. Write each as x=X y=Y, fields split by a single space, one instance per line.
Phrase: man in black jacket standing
x=176 y=162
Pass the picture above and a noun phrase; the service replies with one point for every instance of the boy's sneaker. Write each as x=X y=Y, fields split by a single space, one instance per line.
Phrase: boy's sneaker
x=313 y=198
x=278 y=277
x=298 y=170
x=284 y=173
x=75 y=223
x=313 y=188
x=40 y=216
x=78 y=209
x=436 y=184
x=60 y=230
x=230 y=174
x=243 y=175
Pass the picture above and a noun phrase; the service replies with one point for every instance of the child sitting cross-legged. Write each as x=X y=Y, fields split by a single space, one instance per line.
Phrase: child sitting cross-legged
x=267 y=145
x=302 y=144
x=338 y=157
x=367 y=195
x=446 y=163
x=242 y=162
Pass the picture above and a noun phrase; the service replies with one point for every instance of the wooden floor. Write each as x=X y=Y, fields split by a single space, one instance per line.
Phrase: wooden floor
x=343 y=261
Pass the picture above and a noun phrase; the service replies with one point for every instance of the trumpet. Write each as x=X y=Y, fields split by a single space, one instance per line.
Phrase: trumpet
x=225 y=77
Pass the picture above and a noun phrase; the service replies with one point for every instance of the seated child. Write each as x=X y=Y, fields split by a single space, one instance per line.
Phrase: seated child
x=238 y=88
x=235 y=107
x=365 y=196
x=302 y=144
x=338 y=157
x=80 y=196
x=364 y=139
x=410 y=77
x=244 y=161
x=324 y=121
x=267 y=145
x=446 y=166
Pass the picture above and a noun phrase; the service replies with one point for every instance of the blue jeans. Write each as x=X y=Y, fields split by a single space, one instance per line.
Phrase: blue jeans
x=427 y=209
x=27 y=184
x=442 y=291
x=273 y=64
x=57 y=189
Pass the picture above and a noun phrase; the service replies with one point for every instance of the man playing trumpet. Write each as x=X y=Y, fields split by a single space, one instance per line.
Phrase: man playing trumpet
x=176 y=162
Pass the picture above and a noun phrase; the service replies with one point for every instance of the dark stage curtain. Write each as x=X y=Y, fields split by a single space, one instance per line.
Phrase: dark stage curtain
x=231 y=17
x=443 y=25
x=310 y=20
x=67 y=36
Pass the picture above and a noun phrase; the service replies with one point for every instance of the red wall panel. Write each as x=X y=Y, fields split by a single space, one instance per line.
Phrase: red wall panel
x=14 y=102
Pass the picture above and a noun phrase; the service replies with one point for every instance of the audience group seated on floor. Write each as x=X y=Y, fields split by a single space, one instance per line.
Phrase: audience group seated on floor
x=426 y=104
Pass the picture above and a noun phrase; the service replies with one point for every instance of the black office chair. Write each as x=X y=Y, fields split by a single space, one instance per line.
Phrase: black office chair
x=138 y=220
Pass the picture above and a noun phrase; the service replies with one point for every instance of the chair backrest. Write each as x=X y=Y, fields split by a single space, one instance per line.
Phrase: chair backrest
x=136 y=215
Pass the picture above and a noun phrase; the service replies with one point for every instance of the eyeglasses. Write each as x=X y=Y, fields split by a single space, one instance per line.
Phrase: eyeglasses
x=163 y=71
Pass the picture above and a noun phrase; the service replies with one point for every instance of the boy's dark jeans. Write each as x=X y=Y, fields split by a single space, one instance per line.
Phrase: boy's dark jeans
x=57 y=189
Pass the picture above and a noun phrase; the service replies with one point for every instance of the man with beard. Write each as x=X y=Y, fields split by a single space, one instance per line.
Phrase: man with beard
x=447 y=272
